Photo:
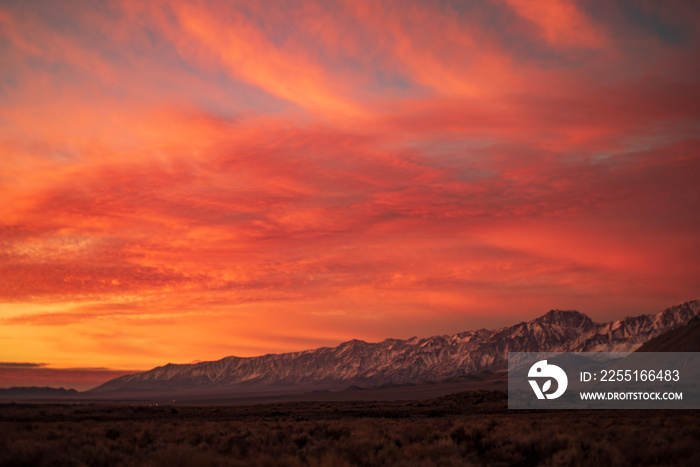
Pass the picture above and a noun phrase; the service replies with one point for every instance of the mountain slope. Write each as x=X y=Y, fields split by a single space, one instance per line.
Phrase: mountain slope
x=396 y=361
x=683 y=339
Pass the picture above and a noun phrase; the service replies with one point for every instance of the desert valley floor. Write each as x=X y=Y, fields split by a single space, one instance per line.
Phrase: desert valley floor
x=467 y=428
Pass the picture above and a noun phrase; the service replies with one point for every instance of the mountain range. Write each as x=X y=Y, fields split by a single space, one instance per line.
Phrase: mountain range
x=35 y=392
x=397 y=361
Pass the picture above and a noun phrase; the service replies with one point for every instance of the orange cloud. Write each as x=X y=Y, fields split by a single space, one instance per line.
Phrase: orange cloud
x=561 y=23
x=246 y=51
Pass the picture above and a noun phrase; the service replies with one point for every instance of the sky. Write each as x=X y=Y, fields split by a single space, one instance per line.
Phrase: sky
x=184 y=181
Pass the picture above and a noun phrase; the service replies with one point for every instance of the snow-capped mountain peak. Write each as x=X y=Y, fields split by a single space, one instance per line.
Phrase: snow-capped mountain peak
x=397 y=361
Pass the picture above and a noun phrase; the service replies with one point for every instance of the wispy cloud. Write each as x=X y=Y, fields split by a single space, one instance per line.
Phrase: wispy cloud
x=15 y=365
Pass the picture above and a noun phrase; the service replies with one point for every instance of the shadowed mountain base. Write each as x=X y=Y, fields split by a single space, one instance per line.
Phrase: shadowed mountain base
x=683 y=339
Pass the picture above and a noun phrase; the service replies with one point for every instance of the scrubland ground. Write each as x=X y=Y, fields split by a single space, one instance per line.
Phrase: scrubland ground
x=473 y=428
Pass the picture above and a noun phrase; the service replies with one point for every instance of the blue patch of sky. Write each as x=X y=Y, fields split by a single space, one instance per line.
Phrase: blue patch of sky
x=462 y=157
x=8 y=79
x=392 y=84
x=627 y=18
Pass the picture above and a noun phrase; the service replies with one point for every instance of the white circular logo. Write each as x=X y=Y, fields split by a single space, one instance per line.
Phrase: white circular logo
x=544 y=370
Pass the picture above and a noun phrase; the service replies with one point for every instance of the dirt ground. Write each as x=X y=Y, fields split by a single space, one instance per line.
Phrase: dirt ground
x=470 y=428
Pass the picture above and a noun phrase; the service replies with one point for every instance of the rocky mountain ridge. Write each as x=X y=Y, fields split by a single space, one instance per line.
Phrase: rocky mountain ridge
x=397 y=361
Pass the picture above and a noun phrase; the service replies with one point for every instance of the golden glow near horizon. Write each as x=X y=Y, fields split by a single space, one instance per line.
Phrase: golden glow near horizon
x=186 y=180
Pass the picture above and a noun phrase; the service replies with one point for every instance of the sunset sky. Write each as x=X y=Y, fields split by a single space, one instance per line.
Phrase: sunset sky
x=185 y=181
